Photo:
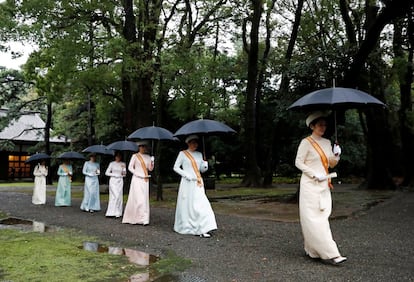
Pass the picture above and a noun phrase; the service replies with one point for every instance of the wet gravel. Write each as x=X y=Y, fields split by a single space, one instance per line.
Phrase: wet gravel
x=379 y=243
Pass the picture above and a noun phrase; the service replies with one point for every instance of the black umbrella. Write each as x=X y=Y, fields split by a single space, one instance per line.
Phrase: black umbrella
x=152 y=133
x=37 y=157
x=71 y=155
x=123 y=146
x=203 y=127
x=98 y=149
x=336 y=98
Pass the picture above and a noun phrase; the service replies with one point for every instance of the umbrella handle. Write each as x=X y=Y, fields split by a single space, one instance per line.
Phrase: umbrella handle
x=336 y=132
x=204 y=150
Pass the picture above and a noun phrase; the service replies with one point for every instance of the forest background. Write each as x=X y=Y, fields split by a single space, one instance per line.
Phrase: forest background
x=101 y=69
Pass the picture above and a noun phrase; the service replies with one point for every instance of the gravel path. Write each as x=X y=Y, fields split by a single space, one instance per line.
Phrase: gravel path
x=379 y=244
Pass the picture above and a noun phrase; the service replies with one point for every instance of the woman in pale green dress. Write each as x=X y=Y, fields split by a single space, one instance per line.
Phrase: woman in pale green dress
x=63 y=195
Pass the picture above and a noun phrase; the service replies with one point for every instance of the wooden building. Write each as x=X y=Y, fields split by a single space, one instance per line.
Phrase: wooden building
x=16 y=144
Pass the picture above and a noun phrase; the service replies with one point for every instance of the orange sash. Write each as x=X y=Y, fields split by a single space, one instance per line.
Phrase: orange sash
x=324 y=159
x=196 y=170
x=144 y=167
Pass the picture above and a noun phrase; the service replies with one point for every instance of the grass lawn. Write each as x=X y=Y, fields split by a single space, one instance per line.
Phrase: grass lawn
x=57 y=256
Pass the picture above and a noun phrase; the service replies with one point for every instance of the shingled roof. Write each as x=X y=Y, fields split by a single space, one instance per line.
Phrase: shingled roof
x=28 y=127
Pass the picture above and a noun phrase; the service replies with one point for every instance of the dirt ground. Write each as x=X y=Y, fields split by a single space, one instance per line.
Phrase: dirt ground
x=257 y=239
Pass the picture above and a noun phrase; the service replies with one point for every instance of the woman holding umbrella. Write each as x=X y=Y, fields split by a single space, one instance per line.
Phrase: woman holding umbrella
x=63 y=195
x=137 y=209
x=39 y=192
x=314 y=157
x=193 y=214
x=91 y=170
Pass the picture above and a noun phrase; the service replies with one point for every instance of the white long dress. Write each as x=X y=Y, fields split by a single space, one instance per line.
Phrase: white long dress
x=193 y=214
x=39 y=191
x=116 y=186
x=315 y=202
x=137 y=208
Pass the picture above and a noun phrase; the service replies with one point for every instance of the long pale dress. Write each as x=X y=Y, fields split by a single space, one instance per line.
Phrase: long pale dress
x=315 y=202
x=39 y=191
x=116 y=186
x=193 y=214
x=137 y=209
x=63 y=197
x=91 y=201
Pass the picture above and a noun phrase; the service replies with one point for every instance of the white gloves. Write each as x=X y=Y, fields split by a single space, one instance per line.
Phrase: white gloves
x=337 y=150
x=321 y=177
x=152 y=158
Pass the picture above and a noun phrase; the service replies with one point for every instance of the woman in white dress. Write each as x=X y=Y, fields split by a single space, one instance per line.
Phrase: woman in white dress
x=193 y=214
x=314 y=158
x=39 y=192
x=116 y=171
x=137 y=209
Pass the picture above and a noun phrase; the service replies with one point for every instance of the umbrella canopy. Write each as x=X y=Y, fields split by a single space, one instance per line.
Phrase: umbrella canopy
x=98 y=149
x=37 y=157
x=203 y=127
x=336 y=98
x=123 y=146
x=152 y=133
x=71 y=155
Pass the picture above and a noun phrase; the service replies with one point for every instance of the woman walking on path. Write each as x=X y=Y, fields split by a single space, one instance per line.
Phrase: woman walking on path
x=39 y=192
x=65 y=172
x=116 y=171
x=314 y=157
x=137 y=209
x=193 y=214
x=91 y=170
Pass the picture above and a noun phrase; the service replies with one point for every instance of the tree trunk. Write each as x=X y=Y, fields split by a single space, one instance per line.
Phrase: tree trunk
x=405 y=74
x=265 y=152
x=378 y=147
x=253 y=174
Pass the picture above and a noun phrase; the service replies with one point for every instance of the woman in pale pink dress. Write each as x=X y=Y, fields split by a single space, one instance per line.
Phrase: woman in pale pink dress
x=137 y=210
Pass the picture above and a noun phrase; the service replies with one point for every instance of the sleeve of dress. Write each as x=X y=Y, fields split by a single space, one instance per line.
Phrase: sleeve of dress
x=178 y=165
x=131 y=165
x=36 y=171
x=46 y=171
x=61 y=171
x=300 y=159
x=108 y=171
x=85 y=170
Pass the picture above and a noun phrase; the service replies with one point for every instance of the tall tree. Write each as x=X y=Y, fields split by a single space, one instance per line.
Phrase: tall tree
x=253 y=173
x=378 y=165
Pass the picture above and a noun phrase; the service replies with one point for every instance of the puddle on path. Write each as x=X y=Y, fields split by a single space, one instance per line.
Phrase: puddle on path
x=25 y=225
x=134 y=256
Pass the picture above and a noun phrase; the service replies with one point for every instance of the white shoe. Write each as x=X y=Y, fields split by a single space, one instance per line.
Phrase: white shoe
x=339 y=259
x=205 y=235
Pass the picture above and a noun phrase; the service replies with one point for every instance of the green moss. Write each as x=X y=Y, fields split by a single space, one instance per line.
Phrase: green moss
x=57 y=256
x=171 y=263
